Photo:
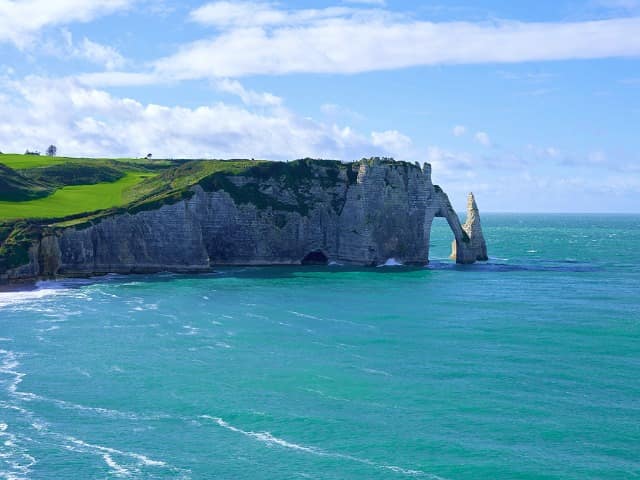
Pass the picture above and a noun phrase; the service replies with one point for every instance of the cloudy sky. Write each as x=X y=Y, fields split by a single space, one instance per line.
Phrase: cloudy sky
x=535 y=106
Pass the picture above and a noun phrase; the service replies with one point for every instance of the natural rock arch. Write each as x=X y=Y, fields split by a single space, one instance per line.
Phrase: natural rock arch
x=468 y=245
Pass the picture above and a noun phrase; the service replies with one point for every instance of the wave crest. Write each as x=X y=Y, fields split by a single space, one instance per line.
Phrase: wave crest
x=269 y=439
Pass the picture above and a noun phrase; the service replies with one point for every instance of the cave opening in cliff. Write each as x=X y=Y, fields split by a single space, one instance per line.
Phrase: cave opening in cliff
x=317 y=257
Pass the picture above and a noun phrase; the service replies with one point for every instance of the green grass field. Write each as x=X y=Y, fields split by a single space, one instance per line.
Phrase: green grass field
x=19 y=161
x=73 y=200
x=43 y=187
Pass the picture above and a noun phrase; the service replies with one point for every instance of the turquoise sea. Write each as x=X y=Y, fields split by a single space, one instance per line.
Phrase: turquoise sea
x=527 y=367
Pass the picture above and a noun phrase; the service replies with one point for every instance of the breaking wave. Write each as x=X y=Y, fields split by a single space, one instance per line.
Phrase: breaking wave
x=269 y=439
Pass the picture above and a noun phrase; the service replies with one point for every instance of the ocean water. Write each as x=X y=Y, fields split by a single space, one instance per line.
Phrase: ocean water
x=527 y=367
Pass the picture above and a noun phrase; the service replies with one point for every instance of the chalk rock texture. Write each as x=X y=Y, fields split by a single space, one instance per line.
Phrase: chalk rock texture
x=476 y=246
x=362 y=213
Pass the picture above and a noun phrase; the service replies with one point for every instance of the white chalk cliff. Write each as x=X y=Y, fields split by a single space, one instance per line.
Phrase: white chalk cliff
x=308 y=211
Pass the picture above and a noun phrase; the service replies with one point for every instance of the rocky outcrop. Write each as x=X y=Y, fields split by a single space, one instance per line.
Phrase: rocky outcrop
x=473 y=248
x=359 y=214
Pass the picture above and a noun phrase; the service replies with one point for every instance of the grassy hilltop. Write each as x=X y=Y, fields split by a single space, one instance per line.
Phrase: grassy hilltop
x=39 y=187
x=33 y=186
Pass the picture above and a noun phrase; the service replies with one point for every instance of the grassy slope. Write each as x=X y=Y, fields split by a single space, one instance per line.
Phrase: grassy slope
x=18 y=161
x=15 y=187
x=182 y=177
x=73 y=200
x=40 y=187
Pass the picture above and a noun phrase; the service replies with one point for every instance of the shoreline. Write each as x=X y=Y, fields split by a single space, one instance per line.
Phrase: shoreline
x=31 y=284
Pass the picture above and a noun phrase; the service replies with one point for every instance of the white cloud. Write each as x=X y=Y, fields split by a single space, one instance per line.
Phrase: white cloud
x=21 y=20
x=118 y=79
x=100 y=54
x=248 y=97
x=483 y=139
x=459 y=130
x=227 y=14
x=532 y=77
x=89 y=121
x=448 y=161
x=393 y=141
x=336 y=111
x=88 y=50
x=258 y=38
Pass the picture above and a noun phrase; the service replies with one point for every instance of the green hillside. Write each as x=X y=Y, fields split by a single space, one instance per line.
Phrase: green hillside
x=42 y=187
x=71 y=200
x=15 y=187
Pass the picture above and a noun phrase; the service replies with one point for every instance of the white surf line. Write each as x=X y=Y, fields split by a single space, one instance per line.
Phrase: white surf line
x=14 y=456
x=142 y=459
x=77 y=445
x=106 y=453
x=107 y=412
x=334 y=320
x=8 y=366
x=15 y=298
x=269 y=439
x=118 y=470
x=373 y=371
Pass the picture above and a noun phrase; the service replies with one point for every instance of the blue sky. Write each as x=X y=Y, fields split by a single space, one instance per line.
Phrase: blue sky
x=534 y=106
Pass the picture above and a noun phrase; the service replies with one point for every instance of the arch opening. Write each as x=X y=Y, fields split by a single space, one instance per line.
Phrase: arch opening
x=317 y=257
x=440 y=238
x=468 y=245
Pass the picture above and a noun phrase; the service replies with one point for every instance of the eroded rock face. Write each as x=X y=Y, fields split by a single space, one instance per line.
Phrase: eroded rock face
x=384 y=212
x=473 y=248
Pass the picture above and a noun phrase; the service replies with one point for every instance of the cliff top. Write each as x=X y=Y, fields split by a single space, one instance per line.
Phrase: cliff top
x=38 y=192
x=60 y=189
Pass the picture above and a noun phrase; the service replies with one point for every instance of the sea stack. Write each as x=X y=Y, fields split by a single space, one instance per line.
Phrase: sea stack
x=476 y=247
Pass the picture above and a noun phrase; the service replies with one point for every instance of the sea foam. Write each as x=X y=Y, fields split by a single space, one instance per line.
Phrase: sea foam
x=269 y=439
x=391 y=262
x=13 y=298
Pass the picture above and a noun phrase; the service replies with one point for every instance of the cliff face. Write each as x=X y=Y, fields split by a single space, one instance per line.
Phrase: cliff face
x=365 y=214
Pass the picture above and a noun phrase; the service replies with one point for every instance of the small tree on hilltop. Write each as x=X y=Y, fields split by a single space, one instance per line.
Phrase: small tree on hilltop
x=52 y=150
